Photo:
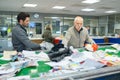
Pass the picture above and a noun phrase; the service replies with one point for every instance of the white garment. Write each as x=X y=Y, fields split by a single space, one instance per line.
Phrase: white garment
x=47 y=45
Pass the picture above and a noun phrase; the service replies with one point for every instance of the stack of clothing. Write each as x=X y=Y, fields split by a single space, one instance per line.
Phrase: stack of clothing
x=58 y=52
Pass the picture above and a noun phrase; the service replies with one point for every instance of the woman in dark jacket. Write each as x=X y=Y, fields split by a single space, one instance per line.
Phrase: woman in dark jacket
x=47 y=35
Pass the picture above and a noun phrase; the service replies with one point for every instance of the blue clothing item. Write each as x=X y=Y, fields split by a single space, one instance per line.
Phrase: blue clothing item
x=21 y=41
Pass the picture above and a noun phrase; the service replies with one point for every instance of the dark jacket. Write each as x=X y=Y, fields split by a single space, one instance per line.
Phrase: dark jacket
x=21 y=41
x=47 y=35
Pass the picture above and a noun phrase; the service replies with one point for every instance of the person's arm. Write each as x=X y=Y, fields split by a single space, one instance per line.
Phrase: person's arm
x=66 y=38
x=22 y=37
x=90 y=40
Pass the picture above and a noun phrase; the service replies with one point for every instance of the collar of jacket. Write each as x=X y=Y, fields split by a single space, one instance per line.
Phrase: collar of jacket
x=79 y=30
x=22 y=27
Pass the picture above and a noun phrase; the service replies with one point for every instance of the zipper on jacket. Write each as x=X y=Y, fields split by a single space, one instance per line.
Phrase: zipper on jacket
x=79 y=39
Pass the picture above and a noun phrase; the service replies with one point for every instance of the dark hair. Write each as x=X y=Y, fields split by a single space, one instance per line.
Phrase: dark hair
x=22 y=16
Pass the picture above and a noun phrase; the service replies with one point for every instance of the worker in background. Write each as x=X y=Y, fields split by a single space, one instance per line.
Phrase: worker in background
x=20 y=38
x=77 y=35
x=47 y=35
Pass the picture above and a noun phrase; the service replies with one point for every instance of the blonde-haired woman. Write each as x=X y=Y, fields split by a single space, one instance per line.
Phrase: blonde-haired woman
x=47 y=35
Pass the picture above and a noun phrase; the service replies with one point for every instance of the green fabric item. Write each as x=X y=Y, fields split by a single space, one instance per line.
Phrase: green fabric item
x=110 y=53
x=4 y=62
x=42 y=67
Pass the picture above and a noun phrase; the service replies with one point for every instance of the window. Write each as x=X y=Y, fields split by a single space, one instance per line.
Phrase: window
x=68 y=22
x=5 y=25
x=55 y=22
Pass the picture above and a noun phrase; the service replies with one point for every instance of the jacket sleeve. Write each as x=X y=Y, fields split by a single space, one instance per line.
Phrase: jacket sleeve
x=89 y=39
x=66 y=38
x=22 y=37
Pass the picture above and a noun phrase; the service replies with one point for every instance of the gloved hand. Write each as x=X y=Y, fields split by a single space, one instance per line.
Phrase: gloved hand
x=91 y=47
x=95 y=47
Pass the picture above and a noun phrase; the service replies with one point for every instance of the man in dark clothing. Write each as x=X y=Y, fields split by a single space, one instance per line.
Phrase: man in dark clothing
x=20 y=38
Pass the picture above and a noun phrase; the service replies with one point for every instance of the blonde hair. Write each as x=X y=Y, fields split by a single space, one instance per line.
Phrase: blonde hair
x=48 y=27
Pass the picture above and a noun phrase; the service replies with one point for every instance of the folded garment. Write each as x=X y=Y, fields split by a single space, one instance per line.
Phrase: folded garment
x=57 y=47
x=59 y=55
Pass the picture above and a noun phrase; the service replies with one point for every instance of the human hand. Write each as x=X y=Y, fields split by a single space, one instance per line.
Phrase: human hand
x=91 y=47
x=43 y=48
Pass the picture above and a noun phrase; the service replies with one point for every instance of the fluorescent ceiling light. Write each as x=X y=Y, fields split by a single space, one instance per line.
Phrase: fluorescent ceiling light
x=54 y=17
x=58 y=7
x=90 y=1
x=110 y=11
x=30 y=5
x=87 y=9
